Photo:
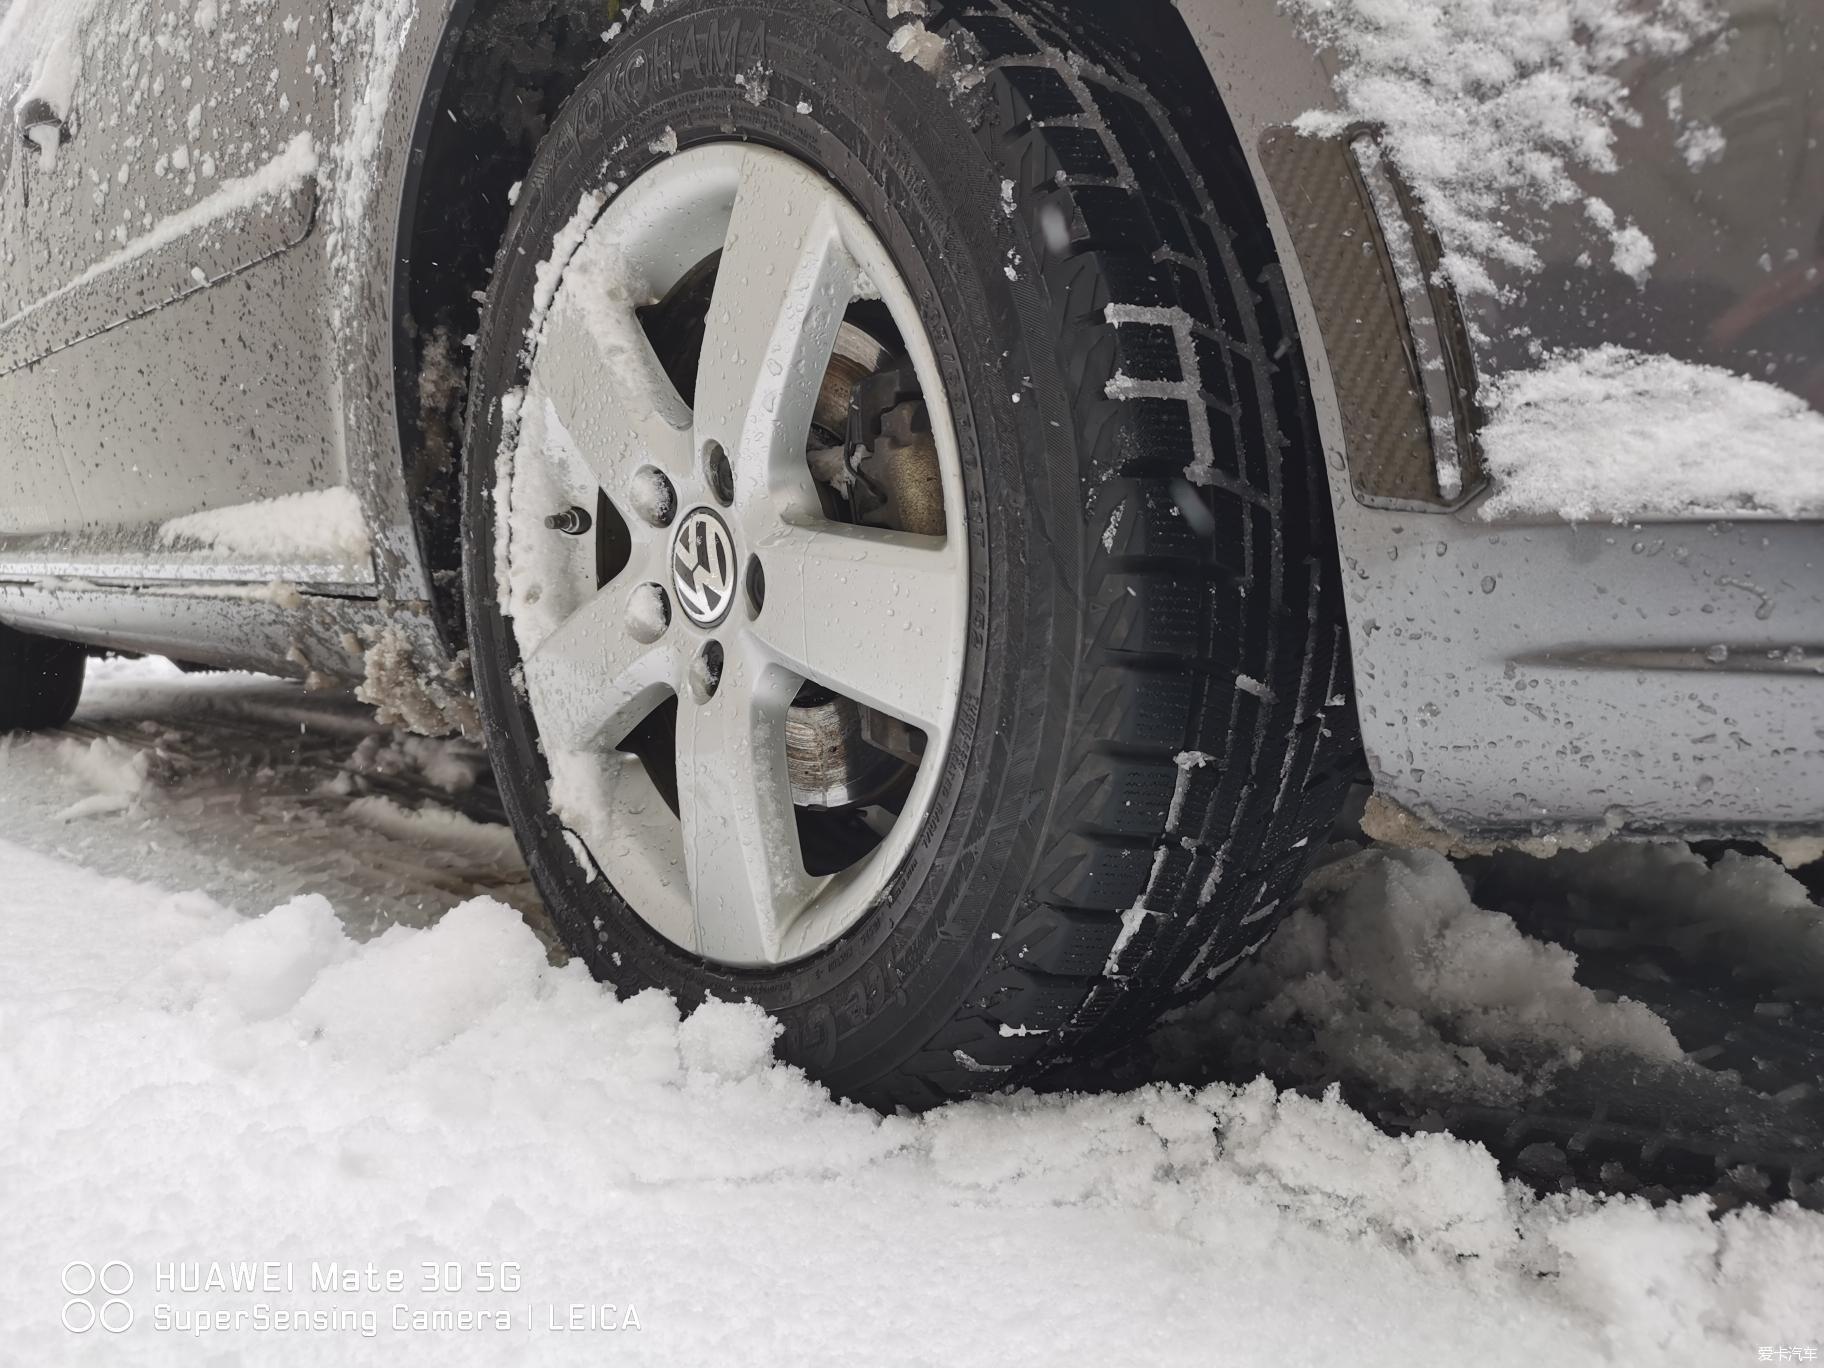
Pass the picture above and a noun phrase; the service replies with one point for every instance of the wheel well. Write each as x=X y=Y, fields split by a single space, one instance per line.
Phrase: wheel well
x=503 y=70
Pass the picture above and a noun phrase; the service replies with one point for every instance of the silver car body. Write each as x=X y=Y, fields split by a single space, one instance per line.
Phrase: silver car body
x=172 y=343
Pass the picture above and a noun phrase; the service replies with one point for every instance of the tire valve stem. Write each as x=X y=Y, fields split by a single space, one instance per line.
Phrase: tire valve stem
x=572 y=522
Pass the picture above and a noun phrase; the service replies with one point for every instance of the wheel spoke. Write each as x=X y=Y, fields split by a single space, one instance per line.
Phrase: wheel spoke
x=868 y=613
x=591 y=682
x=880 y=617
x=785 y=281
x=613 y=806
x=607 y=387
x=741 y=849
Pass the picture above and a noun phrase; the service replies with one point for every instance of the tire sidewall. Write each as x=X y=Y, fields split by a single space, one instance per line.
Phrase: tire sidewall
x=907 y=156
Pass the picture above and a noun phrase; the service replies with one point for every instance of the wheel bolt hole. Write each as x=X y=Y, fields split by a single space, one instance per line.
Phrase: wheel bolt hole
x=720 y=474
x=648 y=613
x=756 y=587
x=706 y=672
x=653 y=497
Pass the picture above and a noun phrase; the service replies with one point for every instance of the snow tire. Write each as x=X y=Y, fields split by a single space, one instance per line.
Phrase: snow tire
x=40 y=681
x=1157 y=727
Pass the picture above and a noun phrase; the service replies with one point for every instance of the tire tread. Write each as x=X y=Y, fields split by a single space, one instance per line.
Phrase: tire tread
x=1162 y=874
x=40 y=680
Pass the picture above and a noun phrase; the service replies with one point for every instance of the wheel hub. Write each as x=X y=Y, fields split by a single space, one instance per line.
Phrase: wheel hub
x=744 y=680
x=703 y=570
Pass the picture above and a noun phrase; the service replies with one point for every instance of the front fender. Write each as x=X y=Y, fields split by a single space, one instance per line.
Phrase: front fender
x=1527 y=673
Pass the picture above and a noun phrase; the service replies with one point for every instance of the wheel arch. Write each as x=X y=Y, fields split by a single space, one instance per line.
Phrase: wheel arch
x=500 y=71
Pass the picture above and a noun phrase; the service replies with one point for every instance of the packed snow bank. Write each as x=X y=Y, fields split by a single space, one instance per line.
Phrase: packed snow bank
x=1744 y=911
x=179 y=1085
x=1613 y=433
x=1389 y=973
x=1493 y=108
x=117 y=775
x=323 y=524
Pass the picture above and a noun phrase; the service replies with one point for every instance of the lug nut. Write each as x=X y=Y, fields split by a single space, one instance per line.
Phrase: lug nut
x=572 y=522
x=706 y=671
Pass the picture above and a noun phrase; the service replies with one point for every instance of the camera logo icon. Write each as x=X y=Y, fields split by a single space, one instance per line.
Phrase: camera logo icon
x=96 y=1296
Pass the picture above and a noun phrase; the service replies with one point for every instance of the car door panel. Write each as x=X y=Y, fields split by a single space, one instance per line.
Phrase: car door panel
x=188 y=155
x=244 y=221
x=221 y=398
x=183 y=164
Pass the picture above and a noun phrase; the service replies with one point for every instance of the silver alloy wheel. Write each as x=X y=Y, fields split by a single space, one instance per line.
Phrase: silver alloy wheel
x=875 y=616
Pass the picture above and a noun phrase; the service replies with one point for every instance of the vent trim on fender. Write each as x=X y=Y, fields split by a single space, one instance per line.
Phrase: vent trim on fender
x=1392 y=328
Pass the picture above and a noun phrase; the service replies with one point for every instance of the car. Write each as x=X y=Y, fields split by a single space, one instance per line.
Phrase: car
x=934 y=508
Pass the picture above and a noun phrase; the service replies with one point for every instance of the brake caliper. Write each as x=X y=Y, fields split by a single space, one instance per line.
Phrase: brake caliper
x=893 y=454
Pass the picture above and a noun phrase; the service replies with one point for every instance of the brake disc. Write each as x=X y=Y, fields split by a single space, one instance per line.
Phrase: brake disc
x=884 y=474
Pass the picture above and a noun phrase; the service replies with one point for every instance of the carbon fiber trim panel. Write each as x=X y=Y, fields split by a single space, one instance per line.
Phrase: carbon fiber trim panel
x=1399 y=360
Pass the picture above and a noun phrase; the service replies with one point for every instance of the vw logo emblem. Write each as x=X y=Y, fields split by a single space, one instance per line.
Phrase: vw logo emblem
x=703 y=567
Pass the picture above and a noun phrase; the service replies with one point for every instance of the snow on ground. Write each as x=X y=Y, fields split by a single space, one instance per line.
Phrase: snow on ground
x=253 y=791
x=117 y=773
x=183 y=1082
x=1612 y=433
x=1631 y=1019
x=1390 y=972
x=1742 y=914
